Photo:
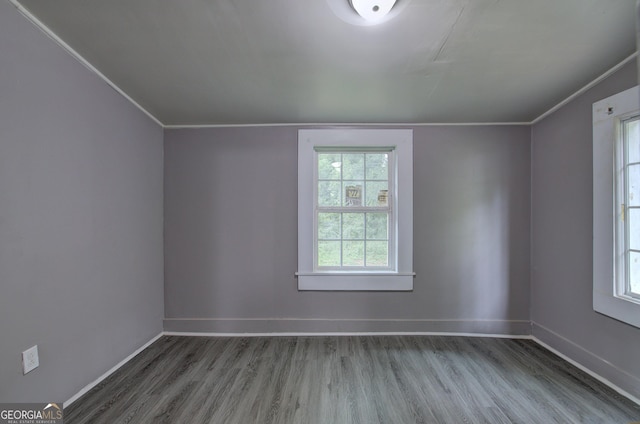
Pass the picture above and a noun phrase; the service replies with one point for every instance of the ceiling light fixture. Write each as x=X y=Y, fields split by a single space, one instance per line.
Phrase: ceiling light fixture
x=373 y=11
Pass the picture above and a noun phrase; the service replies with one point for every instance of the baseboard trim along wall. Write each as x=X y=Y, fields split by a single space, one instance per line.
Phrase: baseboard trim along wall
x=343 y=334
x=97 y=381
x=341 y=326
x=618 y=379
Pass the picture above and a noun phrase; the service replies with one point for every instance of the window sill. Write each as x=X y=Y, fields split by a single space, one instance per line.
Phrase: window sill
x=620 y=308
x=356 y=281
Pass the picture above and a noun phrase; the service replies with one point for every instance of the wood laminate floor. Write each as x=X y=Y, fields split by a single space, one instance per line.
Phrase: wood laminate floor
x=349 y=379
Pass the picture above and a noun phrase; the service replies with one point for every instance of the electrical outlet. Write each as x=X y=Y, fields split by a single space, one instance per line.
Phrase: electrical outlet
x=30 y=359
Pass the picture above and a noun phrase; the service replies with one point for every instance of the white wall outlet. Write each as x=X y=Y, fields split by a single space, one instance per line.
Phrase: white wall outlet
x=30 y=359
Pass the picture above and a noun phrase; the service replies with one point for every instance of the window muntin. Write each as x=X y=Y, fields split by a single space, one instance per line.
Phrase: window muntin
x=353 y=209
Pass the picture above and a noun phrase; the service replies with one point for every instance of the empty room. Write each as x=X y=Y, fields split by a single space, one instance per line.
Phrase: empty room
x=319 y=212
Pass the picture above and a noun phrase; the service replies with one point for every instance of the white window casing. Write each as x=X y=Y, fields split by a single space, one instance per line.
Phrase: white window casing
x=398 y=275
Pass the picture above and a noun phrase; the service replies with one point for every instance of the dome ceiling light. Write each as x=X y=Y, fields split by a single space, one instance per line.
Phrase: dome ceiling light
x=373 y=11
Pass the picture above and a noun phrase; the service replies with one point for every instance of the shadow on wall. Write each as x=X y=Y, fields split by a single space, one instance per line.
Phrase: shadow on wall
x=472 y=227
x=484 y=261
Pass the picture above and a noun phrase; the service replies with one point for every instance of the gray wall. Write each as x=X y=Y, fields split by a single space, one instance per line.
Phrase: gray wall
x=81 y=268
x=561 y=295
x=231 y=236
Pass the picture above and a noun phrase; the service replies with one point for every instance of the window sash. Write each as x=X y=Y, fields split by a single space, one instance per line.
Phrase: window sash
x=363 y=209
x=623 y=284
x=366 y=242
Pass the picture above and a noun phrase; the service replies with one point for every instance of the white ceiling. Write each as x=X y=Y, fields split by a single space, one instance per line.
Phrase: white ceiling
x=198 y=62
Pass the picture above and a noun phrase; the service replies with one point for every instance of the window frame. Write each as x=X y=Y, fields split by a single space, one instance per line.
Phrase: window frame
x=609 y=193
x=399 y=276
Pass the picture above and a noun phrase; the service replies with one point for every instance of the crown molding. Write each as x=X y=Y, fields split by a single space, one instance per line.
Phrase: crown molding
x=49 y=33
x=584 y=89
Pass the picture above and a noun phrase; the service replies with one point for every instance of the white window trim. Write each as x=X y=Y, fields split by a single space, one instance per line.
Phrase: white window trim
x=400 y=279
x=607 y=298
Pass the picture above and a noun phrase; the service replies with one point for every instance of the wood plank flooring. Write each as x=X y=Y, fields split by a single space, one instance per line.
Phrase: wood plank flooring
x=349 y=379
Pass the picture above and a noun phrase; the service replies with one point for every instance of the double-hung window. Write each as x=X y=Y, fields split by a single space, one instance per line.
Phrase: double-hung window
x=352 y=209
x=355 y=209
x=616 y=206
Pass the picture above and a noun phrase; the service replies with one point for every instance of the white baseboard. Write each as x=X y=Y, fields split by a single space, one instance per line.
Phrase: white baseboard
x=97 y=381
x=598 y=368
x=329 y=326
x=342 y=334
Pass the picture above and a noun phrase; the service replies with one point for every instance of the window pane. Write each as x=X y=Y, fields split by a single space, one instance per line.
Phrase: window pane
x=352 y=193
x=328 y=253
x=633 y=140
x=329 y=166
x=353 y=166
x=329 y=193
x=353 y=226
x=634 y=229
x=634 y=185
x=377 y=226
x=374 y=191
x=377 y=253
x=634 y=273
x=353 y=253
x=329 y=226
x=377 y=166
